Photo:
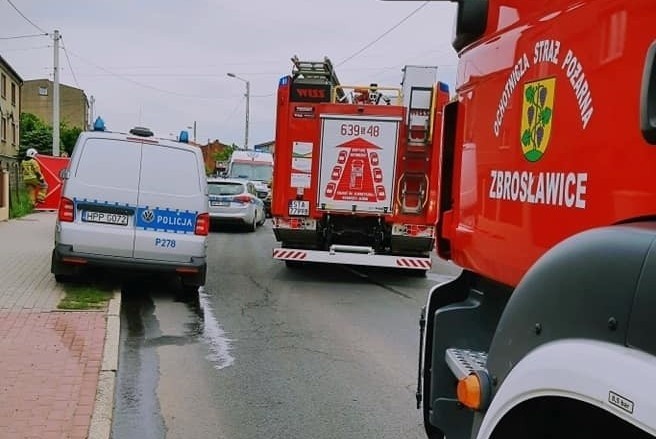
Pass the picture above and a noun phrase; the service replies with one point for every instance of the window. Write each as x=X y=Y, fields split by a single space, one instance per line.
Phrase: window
x=3 y=129
x=109 y=163
x=13 y=133
x=43 y=91
x=225 y=188
x=167 y=170
x=3 y=85
x=13 y=94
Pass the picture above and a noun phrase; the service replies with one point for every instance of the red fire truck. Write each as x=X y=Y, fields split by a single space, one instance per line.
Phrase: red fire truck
x=356 y=168
x=547 y=202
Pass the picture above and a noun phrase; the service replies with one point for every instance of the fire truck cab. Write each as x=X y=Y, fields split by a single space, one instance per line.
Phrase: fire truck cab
x=547 y=203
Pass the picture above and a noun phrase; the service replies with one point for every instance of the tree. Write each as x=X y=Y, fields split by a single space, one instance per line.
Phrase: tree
x=35 y=133
x=225 y=153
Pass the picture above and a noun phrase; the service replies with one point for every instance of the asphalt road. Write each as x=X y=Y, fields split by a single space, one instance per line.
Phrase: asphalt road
x=267 y=351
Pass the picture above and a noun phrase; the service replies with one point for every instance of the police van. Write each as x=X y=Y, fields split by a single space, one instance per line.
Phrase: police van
x=133 y=202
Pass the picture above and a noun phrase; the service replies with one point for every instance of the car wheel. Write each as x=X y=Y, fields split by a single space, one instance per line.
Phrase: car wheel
x=263 y=220
x=293 y=264
x=253 y=225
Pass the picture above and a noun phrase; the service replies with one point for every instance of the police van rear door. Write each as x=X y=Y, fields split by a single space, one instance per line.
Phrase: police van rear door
x=104 y=187
x=171 y=195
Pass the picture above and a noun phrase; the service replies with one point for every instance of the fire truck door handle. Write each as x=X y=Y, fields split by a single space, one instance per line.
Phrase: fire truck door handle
x=648 y=97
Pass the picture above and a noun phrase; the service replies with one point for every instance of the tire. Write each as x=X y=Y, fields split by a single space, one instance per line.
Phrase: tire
x=253 y=225
x=63 y=278
x=263 y=220
x=293 y=264
x=418 y=273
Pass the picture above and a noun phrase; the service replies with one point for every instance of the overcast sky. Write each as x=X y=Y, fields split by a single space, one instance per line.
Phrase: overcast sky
x=163 y=63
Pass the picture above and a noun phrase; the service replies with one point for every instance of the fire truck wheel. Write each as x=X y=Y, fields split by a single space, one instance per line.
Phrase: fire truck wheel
x=418 y=273
x=293 y=264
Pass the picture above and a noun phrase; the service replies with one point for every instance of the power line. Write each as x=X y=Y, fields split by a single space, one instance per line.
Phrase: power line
x=26 y=49
x=69 y=63
x=26 y=19
x=23 y=36
x=140 y=84
x=423 y=5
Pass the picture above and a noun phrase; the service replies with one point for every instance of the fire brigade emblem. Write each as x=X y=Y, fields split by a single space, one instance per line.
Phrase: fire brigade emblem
x=537 y=114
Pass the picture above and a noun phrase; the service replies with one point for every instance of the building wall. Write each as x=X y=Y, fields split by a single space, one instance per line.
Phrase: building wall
x=10 y=109
x=73 y=103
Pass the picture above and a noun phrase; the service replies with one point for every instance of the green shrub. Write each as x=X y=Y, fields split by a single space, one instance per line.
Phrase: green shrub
x=20 y=205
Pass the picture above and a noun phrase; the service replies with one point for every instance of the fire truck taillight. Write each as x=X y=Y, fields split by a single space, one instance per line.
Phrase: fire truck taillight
x=202 y=224
x=66 y=211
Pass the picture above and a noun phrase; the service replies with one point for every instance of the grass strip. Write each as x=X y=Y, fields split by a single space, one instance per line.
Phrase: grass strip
x=84 y=297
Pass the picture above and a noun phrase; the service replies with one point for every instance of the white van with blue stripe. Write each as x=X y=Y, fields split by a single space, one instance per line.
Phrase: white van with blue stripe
x=132 y=202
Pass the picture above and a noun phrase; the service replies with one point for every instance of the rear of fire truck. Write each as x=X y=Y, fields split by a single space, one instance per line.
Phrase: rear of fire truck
x=356 y=168
x=547 y=201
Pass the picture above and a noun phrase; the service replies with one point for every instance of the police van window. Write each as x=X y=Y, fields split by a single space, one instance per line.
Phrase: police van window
x=109 y=163
x=167 y=170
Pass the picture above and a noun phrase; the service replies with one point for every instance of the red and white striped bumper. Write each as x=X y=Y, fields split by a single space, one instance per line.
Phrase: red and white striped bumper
x=289 y=254
x=347 y=258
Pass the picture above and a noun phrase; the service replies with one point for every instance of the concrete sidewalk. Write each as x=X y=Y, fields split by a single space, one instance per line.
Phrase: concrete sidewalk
x=57 y=369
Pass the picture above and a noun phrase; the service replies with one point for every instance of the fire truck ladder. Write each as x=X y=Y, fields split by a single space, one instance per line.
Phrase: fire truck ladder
x=413 y=192
x=413 y=186
x=316 y=72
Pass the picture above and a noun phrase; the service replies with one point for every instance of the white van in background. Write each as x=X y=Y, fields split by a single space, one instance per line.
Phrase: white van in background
x=254 y=166
x=132 y=202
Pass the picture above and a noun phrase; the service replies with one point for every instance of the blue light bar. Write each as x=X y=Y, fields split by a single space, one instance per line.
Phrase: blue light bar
x=283 y=81
x=99 y=124
x=183 y=137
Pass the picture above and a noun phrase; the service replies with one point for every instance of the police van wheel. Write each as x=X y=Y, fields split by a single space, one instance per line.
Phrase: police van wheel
x=63 y=278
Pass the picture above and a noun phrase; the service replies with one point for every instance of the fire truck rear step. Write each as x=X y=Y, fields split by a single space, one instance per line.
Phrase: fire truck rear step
x=463 y=362
x=356 y=256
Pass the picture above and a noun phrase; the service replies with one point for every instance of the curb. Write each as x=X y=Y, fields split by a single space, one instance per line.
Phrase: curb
x=101 y=419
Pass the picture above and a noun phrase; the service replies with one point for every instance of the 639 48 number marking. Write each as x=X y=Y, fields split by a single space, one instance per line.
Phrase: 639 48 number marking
x=350 y=129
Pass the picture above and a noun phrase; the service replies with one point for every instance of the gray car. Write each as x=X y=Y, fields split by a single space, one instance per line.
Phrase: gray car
x=235 y=201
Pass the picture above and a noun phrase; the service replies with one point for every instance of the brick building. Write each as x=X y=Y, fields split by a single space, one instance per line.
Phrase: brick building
x=209 y=155
x=10 y=110
x=73 y=103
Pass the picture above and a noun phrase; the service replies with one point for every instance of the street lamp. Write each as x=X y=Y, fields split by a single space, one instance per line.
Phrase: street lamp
x=248 y=98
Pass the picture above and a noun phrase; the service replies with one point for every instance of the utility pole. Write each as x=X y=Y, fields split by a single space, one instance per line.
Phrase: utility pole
x=194 y=131
x=248 y=100
x=92 y=102
x=55 y=98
